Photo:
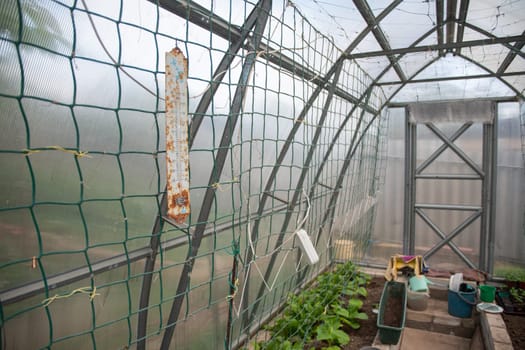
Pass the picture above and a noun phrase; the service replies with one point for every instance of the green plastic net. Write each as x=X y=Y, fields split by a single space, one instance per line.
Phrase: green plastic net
x=284 y=135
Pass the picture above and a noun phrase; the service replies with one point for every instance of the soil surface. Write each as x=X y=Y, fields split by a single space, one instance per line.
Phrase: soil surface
x=516 y=329
x=393 y=311
x=365 y=335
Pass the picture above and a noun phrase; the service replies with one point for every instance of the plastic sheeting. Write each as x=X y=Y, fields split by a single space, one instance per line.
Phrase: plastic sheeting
x=457 y=111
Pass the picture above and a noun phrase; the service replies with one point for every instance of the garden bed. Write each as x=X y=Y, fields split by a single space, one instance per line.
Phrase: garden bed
x=336 y=313
x=516 y=329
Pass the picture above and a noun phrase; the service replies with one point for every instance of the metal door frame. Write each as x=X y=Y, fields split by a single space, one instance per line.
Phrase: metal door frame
x=486 y=173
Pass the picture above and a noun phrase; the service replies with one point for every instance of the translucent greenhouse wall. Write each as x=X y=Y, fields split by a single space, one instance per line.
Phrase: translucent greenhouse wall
x=284 y=135
x=387 y=237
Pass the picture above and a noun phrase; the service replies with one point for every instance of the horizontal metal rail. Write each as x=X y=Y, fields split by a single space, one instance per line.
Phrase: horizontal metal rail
x=16 y=294
x=448 y=207
x=449 y=177
x=495 y=99
x=427 y=48
x=444 y=79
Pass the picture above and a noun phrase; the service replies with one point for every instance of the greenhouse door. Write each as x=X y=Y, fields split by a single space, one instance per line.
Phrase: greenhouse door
x=450 y=151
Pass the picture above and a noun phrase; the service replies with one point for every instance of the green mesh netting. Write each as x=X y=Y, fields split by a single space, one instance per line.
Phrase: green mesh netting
x=284 y=135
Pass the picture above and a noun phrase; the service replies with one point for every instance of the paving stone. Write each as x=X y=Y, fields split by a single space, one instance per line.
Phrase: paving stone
x=419 y=317
x=468 y=323
x=415 y=339
x=503 y=346
x=500 y=335
x=495 y=320
x=448 y=321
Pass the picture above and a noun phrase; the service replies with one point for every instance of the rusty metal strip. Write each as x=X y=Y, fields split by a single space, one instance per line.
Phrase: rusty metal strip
x=177 y=155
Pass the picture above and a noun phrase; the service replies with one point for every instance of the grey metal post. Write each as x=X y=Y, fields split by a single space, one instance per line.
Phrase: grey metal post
x=484 y=199
x=410 y=186
x=493 y=184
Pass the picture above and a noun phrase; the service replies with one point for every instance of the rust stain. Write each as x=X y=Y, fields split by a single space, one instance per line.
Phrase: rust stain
x=177 y=158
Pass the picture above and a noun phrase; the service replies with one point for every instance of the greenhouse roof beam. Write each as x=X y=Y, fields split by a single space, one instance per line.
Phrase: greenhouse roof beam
x=368 y=15
x=508 y=45
x=426 y=48
x=463 y=10
x=510 y=57
x=451 y=20
x=367 y=30
x=205 y=19
x=434 y=80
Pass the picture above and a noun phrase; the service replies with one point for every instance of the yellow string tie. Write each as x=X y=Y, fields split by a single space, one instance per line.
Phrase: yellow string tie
x=85 y=290
x=235 y=289
x=79 y=154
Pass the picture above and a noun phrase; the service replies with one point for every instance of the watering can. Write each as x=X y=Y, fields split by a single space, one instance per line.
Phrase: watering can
x=419 y=283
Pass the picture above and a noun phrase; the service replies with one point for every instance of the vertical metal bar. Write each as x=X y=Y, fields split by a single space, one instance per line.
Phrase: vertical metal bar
x=463 y=10
x=493 y=185
x=439 y=24
x=485 y=181
x=451 y=20
x=298 y=188
x=408 y=184
x=263 y=9
x=413 y=165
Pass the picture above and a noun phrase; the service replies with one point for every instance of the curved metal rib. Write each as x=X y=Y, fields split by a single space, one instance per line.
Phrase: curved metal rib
x=202 y=107
x=263 y=10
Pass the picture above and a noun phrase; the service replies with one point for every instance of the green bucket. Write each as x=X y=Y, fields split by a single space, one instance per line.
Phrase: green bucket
x=487 y=293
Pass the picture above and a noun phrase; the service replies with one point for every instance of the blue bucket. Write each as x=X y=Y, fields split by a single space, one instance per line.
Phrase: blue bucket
x=460 y=303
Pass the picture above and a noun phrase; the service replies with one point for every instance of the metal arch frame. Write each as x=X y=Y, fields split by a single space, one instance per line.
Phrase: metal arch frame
x=367 y=14
x=75 y=275
x=297 y=193
x=290 y=137
x=202 y=107
x=263 y=11
x=510 y=57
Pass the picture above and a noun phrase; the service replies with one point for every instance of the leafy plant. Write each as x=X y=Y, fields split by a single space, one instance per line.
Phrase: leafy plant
x=518 y=294
x=330 y=331
x=515 y=275
x=322 y=312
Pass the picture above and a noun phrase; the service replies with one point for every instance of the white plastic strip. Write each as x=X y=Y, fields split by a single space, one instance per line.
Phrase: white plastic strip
x=452 y=111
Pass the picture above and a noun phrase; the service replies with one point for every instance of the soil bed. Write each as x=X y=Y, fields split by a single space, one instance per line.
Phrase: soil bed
x=516 y=329
x=393 y=311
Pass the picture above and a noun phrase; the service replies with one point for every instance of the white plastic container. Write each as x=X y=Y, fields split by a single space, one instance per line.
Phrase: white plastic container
x=417 y=300
x=455 y=281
